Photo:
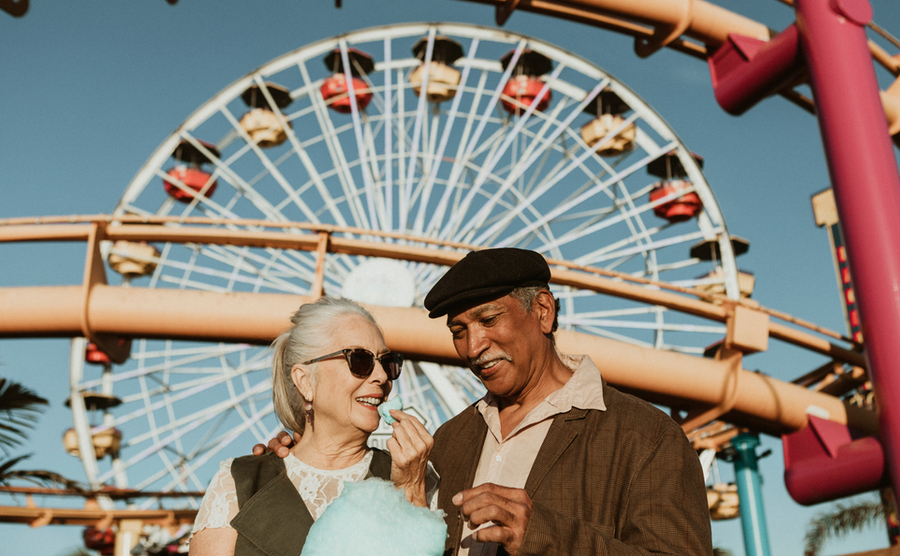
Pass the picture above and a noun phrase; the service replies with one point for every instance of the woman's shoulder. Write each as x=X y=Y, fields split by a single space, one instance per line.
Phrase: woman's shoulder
x=265 y=466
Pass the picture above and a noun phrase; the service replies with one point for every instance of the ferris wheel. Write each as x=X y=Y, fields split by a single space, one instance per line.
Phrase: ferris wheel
x=437 y=135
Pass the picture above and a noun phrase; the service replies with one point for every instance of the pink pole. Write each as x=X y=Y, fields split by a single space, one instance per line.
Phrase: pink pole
x=866 y=186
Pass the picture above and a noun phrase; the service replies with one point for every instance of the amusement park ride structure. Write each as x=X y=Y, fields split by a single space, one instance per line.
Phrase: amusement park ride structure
x=476 y=159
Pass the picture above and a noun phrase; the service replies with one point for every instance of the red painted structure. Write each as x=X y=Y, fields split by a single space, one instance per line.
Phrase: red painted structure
x=95 y=355
x=866 y=185
x=679 y=209
x=336 y=91
x=188 y=178
x=101 y=540
x=346 y=84
x=830 y=36
x=828 y=460
x=193 y=178
x=525 y=86
x=525 y=89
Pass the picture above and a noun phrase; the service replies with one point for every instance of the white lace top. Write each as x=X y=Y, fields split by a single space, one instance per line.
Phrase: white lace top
x=317 y=487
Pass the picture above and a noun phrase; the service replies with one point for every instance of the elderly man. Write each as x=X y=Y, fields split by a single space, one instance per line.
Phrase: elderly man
x=552 y=460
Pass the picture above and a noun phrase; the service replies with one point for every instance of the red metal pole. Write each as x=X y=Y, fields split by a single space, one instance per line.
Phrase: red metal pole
x=866 y=186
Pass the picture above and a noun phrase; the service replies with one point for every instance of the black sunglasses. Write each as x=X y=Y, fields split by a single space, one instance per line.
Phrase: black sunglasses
x=362 y=362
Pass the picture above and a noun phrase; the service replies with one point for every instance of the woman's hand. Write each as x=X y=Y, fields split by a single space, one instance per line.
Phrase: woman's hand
x=410 y=447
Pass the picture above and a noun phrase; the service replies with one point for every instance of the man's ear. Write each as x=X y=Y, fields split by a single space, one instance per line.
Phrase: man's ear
x=302 y=379
x=545 y=306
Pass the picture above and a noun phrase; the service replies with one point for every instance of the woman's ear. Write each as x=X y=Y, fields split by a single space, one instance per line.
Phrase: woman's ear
x=300 y=376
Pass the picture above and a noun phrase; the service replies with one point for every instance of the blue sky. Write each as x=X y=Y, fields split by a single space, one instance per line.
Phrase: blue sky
x=91 y=90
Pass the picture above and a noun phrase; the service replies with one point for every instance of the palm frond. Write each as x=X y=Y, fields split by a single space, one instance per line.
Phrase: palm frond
x=6 y=465
x=843 y=519
x=19 y=408
x=36 y=476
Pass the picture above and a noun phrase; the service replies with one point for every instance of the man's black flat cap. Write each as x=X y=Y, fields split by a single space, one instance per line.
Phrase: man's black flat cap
x=485 y=275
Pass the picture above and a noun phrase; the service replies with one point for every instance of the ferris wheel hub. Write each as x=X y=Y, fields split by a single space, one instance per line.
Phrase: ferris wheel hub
x=381 y=282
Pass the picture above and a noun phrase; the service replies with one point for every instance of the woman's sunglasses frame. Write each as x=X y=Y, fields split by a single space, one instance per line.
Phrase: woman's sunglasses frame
x=388 y=361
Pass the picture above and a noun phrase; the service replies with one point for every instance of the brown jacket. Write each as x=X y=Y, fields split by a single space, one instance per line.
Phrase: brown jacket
x=624 y=481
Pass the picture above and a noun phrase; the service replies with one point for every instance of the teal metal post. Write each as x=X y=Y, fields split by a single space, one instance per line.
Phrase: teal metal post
x=753 y=515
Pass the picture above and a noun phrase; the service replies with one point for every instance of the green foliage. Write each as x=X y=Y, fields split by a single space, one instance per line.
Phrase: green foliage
x=19 y=408
x=843 y=519
x=39 y=477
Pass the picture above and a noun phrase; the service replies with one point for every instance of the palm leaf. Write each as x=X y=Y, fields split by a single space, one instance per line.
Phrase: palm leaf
x=19 y=408
x=36 y=476
x=843 y=519
x=6 y=465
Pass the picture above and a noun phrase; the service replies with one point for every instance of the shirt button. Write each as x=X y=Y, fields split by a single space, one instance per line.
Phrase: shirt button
x=498 y=458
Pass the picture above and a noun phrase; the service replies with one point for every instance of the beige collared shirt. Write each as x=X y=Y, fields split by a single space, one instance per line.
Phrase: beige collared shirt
x=507 y=461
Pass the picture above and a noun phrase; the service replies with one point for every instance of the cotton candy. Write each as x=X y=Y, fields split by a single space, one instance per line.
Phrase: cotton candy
x=373 y=517
x=384 y=409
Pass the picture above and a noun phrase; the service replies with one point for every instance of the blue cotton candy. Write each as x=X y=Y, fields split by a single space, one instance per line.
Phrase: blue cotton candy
x=384 y=409
x=373 y=517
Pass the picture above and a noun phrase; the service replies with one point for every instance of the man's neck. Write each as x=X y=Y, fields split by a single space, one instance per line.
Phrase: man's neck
x=552 y=376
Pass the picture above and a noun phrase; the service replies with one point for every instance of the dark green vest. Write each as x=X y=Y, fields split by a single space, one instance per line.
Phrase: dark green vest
x=272 y=519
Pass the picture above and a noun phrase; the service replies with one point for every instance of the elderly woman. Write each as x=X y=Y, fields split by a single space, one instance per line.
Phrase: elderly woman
x=330 y=372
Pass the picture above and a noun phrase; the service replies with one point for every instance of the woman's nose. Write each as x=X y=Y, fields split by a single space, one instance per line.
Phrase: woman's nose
x=379 y=375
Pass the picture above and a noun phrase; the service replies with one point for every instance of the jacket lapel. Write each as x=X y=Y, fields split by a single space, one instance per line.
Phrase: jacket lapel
x=565 y=428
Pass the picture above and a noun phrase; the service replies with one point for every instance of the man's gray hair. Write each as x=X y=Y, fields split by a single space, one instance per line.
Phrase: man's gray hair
x=526 y=297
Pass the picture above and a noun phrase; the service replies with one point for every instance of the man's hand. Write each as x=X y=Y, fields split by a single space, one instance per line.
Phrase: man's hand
x=281 y=445
x=509 y=509
x=410 y=446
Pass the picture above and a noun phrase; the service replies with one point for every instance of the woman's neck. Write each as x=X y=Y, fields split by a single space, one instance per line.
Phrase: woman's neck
x=325 y=451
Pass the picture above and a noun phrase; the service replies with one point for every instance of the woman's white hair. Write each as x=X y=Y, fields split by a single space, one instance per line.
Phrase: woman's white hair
x=314 y=324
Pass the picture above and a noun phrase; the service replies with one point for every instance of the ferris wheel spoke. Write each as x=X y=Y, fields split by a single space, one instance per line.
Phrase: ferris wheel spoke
x=161 y=374
x=622 y=215
x=485 y=116
x=334 y=152
x=655 y=245
x=414 y=389
x=421 y=104
x=530 y=155
x=224 y=171
x=261 y=272
x=361 y=146
x=168 y=468
x=554 y=178
x=271 y=212
x=198 y=459
x=171 y=438
x=460 y=161
x=454 y=221
x=381 y=197
x=388 y=135
x=233 y=402
x=599 y=188
x=591 y=258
